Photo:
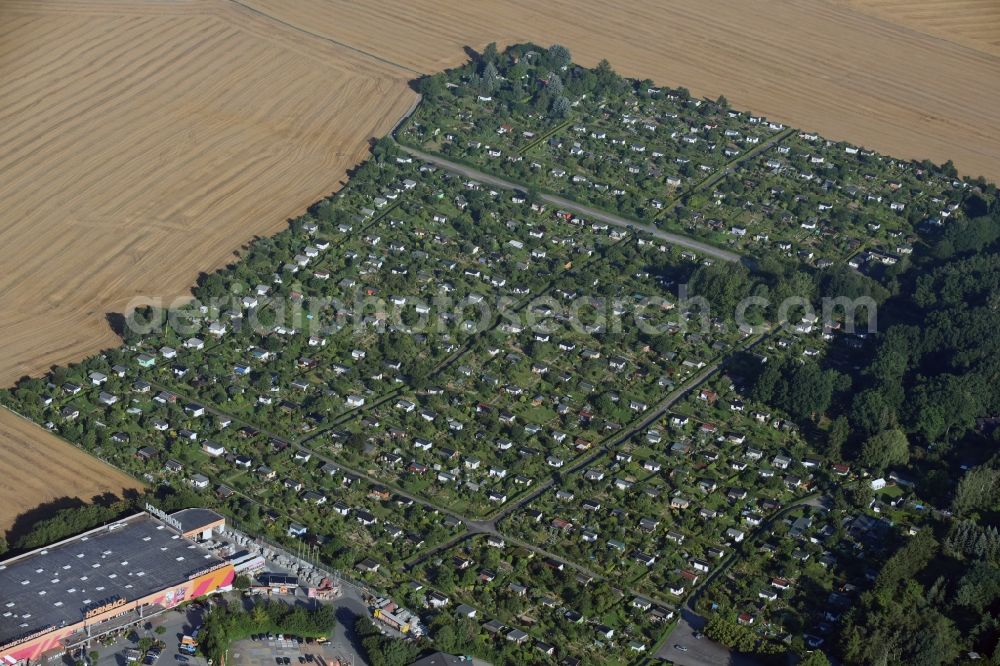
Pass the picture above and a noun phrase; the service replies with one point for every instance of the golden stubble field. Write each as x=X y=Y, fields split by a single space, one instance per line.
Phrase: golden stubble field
x=912 y=78
x=38 y=468
x=143 y=141
x=974 y=23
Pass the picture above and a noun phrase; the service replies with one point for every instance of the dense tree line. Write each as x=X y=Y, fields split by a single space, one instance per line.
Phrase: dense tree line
x=71 y=521
x=930 y=601
x=528 y=79
x=804 y=390
x=75 y=520
x=936 y=355
x=226 y=624
x=380 y=650
x=920 y=397
x=978 y=490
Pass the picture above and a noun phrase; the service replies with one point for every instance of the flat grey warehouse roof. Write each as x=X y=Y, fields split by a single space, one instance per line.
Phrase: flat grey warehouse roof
x=129 y=559
x=192 y=519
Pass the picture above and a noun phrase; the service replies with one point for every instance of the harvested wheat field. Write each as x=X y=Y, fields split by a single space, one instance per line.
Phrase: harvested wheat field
x=38 y=467
x=144 y=142
x=974 y=23
x=817 y=64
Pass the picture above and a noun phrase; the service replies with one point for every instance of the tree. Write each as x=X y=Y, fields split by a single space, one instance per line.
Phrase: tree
x=936 y=642
x=444 y=577
x=809 y=391
x=723 y=285
x=490 y=55
x=259 y=613
x=555 y=85
x=887 y=448
x=608 y=81
x=356 y=442
x=432 y=86
x=559 y=55
x=860 y=495
x=803 y=390
x=213 y=286
x=242 y=582
x=765 y=385
x=381 y=650
x=945 y=406
x=814 y=658
x=385 y=149
x=906 y=563
x=871 y=412
x=560 y=107
x=840 y=431
x=68 y=522
x=731 y=634
x=446 y=638
x=491 y=78
x=843 y=281
x=977 y=490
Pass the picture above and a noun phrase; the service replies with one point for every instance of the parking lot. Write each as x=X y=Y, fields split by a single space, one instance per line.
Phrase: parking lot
x=285 y=651
x=696 y=650
x=171 y=626
x=175 y=624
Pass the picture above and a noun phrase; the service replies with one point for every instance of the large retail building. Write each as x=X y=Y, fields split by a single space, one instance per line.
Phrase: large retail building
x=65 y=594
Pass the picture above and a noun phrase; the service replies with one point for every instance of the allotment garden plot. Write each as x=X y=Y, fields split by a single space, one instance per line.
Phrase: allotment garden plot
x=629 y=152
x=532 y=603
x=692 y=166
x=418 y=328
x=389 y=293
x=663 y=509
x=542 y=388
x=825 y=204
x=423 y=369
x=804 y=575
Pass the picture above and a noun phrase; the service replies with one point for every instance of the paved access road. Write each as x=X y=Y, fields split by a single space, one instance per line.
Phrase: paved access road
x=587 y=211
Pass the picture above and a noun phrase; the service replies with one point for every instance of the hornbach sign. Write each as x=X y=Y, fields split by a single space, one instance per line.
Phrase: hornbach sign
x=173 y=522
x=104 y=608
